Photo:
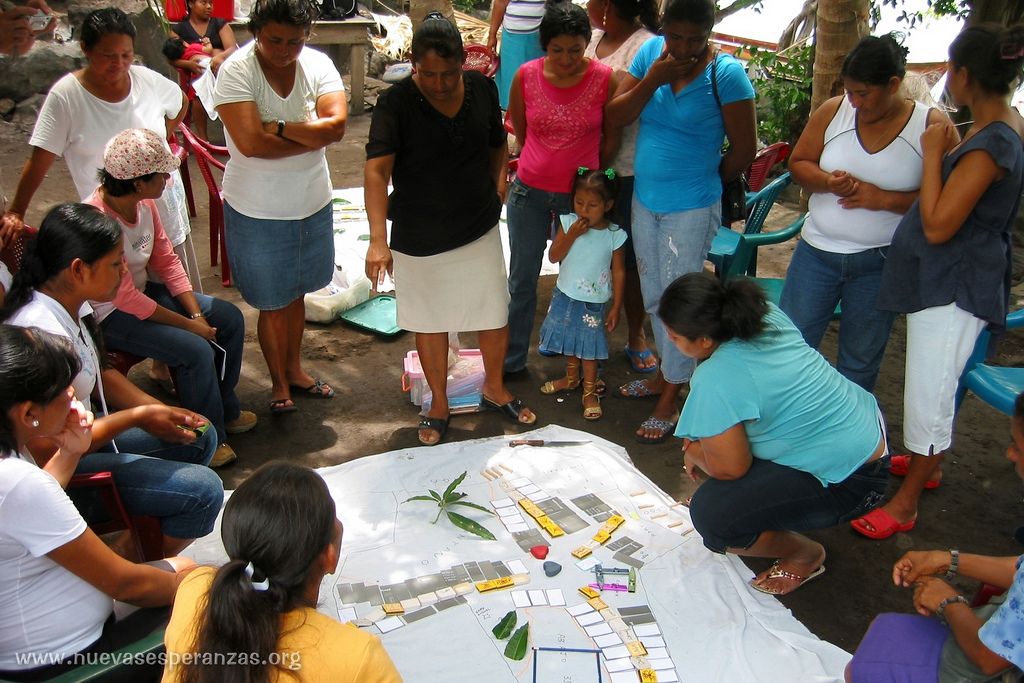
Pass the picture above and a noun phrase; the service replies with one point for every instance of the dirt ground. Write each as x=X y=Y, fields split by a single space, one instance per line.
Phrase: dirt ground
x=977 y=508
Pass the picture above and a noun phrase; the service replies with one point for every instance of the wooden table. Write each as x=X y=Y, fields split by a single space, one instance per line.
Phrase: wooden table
x=334 y=35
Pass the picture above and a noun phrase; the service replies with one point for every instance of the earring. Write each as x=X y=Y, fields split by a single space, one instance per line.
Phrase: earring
x=35 y=423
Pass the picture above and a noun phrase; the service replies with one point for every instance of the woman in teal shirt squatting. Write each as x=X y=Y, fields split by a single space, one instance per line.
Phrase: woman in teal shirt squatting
x=785 y=442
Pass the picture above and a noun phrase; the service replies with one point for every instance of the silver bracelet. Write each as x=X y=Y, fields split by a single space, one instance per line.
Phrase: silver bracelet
x=954 y=564
x=195 y=316
x=940 y=610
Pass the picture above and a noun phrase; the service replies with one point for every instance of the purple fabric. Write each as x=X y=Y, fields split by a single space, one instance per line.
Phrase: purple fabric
x=899 y=648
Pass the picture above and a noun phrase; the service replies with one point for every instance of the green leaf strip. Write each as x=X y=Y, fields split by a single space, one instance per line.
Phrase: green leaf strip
x=504 y=628
x=472 y=505
x=452 y=486
x=467 y=524
x=516 y=648
x=426 y=498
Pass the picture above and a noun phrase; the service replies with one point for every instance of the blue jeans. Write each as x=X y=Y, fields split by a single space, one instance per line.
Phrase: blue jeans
x=818 y=280
x=165 y=480
x=773 y=497
x=197 y=363
x=530 y=216
x=667 y=246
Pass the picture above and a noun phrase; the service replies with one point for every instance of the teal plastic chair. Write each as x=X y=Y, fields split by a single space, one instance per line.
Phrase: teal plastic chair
x=145 y=650
x=727 y=253
x=996 y=386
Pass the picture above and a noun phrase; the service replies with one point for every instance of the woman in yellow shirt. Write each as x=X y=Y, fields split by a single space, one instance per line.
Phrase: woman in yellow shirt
x=255 y=618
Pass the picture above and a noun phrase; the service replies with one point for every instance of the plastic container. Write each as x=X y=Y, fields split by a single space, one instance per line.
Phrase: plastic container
x=326 y=304
x=465 y=377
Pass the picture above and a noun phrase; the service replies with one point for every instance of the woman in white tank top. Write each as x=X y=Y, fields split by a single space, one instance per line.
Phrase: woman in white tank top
x=860 y=158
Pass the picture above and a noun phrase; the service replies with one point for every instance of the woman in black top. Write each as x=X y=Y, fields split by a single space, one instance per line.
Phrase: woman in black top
x=438 y=137
x=218 y=41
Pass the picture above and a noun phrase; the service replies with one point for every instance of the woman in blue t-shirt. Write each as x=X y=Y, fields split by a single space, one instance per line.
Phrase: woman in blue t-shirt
x=679 y=170
x=949 y=265
x=786 y=443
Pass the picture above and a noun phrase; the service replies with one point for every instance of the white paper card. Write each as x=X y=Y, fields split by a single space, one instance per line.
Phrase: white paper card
x=588 y=619
x=644 y=630
x=517 y=567
x=608 y=640
x=528 y=489
x=661 y=664
x=577 y=610
x=538 y=496
x=520 y=599
x=503 y=503
x=624 y=677
x=617 y=652
x=651 y=642
x=668 y=676
x=506 y=512
x=521 y=481
x=555 y=597
x=657 y=653
x=537 y=598
x=389 y=624
x=588 y=563
x=347 y=614
x=598 y=630
x=518 y=528
x=613 y=665
x=427 y=598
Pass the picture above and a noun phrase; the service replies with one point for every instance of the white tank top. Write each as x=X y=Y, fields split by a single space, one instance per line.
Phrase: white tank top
x=897 y=168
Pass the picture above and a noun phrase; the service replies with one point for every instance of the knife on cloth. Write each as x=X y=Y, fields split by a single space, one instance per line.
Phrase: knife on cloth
x=541 y=442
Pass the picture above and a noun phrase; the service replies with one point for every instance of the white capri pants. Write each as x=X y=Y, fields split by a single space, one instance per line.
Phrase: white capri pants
x=939 y=342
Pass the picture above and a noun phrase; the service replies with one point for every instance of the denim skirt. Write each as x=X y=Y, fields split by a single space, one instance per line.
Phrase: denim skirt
x=574 y=328
x=275 y=262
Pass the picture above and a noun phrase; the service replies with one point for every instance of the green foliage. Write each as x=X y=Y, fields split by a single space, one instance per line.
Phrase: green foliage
x=783 y=87
x=516 y=648
x=450 y=498
x=504 y=628
x=955 y=8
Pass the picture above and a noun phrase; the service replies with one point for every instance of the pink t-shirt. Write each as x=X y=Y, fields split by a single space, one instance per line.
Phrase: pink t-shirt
x=563 y=125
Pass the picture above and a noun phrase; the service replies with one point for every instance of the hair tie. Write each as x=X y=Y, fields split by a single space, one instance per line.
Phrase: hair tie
x=582 y=170
x=609 y=173
x=434 y=15
x=259 y=586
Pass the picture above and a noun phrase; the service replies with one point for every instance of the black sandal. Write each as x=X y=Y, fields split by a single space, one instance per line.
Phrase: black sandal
x=437 y=424
x=512 y=410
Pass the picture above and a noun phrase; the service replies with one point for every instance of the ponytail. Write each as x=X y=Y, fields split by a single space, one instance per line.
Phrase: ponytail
x=699 y=305
x=275 y=527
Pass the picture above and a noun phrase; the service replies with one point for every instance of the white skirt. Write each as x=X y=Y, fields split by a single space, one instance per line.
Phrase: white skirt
x=462 y=290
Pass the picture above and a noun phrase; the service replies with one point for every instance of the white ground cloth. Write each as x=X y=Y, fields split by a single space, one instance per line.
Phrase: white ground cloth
x=716 y=628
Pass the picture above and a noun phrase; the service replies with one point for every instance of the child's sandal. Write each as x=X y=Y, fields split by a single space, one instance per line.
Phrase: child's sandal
x=590 y=391
x=568 y=383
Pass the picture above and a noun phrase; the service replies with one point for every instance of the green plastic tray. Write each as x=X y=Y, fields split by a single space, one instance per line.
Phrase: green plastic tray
x=378 y=315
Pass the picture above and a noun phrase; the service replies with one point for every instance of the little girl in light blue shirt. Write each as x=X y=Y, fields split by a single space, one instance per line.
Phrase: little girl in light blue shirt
x=592 y=270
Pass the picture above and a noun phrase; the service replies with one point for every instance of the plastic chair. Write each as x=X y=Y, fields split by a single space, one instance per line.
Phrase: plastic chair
x=763 y=162
x=996 y=386
x=481 y=58
x=186 y=181
x=14 y=251
x=204 y=152
x=726 y=246
x=118 y=665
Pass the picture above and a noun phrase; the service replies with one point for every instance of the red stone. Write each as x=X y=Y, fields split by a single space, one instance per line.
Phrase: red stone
x=539 y=551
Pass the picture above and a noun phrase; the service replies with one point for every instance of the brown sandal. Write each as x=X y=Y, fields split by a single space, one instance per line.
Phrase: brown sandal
x=590 y=391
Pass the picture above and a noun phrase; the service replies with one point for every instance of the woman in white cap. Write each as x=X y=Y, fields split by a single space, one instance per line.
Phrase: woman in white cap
x=197 y=335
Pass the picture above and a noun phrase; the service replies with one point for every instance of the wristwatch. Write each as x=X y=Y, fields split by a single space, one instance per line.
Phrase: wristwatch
x=280 y=128
x=947 y=602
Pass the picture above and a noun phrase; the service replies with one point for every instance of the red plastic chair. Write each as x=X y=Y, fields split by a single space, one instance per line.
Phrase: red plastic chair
x=481 y=58
x=14 y=250
x=763 y=162
x=204 y=152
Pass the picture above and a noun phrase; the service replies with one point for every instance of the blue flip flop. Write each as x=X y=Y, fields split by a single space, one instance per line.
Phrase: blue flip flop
x=636 y=359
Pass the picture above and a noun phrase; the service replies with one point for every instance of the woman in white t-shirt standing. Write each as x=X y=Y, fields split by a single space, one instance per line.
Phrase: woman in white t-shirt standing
x=58 y=580
x=87 y=107
x=282 y=104
x=860 y=157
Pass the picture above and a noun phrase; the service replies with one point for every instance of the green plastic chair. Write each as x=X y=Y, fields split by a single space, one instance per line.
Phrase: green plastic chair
x=996 y=386
x=145 y=649
x=727 y=253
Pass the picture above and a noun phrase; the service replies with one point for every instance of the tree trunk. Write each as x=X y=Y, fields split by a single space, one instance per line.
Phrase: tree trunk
x=1005 y=12
x=840 y=24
